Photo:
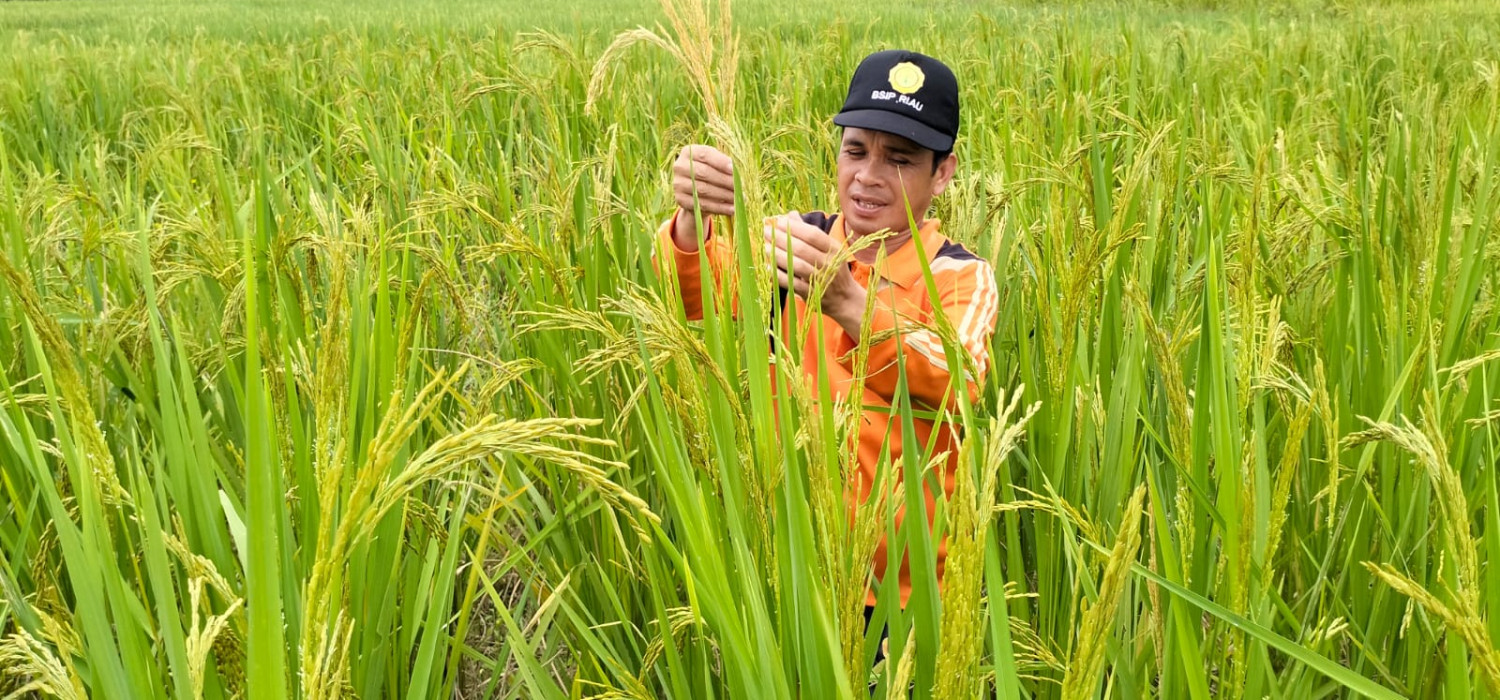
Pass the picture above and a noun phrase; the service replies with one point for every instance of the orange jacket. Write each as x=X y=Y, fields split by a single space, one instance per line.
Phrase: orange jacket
x=967 y=293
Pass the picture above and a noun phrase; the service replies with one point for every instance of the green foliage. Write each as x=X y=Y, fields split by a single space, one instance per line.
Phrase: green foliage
x=334 y=360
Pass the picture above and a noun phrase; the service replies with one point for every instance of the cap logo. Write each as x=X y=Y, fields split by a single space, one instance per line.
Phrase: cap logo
x=906 y=78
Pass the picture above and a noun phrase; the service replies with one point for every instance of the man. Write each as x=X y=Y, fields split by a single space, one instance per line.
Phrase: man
x=899 y=123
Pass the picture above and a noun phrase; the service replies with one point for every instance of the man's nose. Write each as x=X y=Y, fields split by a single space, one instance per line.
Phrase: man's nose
x=866 y=176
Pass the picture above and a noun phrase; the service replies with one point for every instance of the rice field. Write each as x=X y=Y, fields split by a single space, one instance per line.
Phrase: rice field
x=334 y=360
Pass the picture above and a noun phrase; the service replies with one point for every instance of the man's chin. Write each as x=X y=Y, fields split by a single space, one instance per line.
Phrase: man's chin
x=860 y=226
x=863 y=222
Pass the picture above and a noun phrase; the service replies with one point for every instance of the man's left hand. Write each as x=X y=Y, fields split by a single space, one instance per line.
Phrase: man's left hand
x=804 y=256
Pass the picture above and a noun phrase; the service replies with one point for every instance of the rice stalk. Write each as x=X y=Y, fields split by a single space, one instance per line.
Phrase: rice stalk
x=1286 y=472
x=1464 y=615
x=27 y=661
x=96 y=456
x=867 y=517
x=900 y=674
x=616 y=49
x=1460 y=370
x=374 y=494
x=973 y=513
x=706 y=49
x=1430 y=450
x=203 y=634
x=1484 y=419
x=1464 y=623
x=1329 y=417
x=1087 y=663
x=679 y=621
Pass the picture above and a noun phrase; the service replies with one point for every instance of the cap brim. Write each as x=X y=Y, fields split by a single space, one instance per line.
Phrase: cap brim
x=900 y=125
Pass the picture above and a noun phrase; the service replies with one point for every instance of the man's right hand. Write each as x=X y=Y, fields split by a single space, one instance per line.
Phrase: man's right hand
x=706 y=172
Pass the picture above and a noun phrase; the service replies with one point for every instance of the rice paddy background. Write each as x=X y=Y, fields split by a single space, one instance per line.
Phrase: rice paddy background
x=335 y=362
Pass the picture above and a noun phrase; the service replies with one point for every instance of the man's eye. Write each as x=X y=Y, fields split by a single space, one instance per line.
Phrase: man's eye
x=900 y=162
x=853 y=153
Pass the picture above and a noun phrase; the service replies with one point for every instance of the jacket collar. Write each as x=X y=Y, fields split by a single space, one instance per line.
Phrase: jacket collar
x=902 y=266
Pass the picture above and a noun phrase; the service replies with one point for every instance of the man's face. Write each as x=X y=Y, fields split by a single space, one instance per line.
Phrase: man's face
x=876 y=170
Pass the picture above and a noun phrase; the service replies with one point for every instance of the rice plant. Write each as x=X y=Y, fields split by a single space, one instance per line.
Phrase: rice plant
x=336 y=359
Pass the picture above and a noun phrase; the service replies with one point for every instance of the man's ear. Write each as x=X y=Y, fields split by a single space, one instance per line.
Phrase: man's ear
x=944 y=174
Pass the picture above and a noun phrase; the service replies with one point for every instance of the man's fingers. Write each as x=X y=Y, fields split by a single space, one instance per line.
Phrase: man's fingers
x=800 y=246
x=781 y=241
x=800 y=267
x=698 y=172
x=706 y=161
x=806 y=234
x=708 y=209
x=705 y=190
x=708 y=206
x=711 y=199
x=795 y=284
x=812 y=236
x=712 y=157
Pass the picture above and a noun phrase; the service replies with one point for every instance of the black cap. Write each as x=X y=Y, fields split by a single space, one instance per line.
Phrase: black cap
x=904 y=93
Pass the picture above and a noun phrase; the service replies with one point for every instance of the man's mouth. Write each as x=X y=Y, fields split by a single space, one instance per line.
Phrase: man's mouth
x=867 y=206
